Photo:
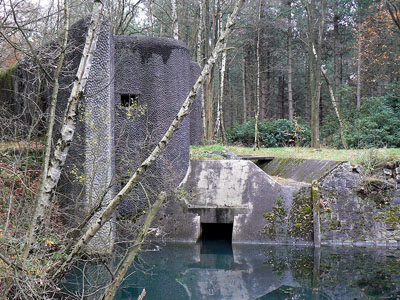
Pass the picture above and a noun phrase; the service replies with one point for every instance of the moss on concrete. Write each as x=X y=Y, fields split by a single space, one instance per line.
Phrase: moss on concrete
x=275 y=219
x=301 y=216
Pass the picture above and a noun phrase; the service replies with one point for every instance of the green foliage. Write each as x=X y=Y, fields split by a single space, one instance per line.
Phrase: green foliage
x=277 y=133
x=202 y=152
x=376 y=124
x=370 y=160
x=274 y=218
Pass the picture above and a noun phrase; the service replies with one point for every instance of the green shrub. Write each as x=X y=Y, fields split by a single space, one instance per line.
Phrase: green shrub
x=375 y=125
x=277 y=133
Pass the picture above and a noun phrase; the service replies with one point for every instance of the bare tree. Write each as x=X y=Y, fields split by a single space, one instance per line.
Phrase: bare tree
x=359 y=59
x=315 y=32
x=52 y=176
x=258 y=88
x=158 y=150
x=290 y=62
x=394 y=12
x=175 y=26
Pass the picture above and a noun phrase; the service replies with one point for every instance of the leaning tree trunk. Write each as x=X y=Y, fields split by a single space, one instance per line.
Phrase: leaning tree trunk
x=67 y=131
x=334 y=104
x=133 y=250
x=49 y=133
x=157 y=151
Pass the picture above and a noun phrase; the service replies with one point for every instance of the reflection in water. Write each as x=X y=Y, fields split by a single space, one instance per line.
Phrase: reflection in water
x=249 y=272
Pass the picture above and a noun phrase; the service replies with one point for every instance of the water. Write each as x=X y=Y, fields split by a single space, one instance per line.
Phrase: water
x=218 y=271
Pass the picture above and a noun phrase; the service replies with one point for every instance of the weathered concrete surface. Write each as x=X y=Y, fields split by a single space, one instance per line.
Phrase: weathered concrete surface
x=232 y=191
x=305 y=170
x=358 y=211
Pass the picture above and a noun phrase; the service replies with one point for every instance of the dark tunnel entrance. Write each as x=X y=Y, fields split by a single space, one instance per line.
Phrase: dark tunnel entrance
x=216 y=238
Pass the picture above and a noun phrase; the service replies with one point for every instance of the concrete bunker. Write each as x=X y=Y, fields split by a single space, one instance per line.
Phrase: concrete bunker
x=135 y=88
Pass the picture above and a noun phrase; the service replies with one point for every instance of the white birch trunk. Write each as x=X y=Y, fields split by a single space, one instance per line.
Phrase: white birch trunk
x=49 y=134
x=334 y=104
x=219 y=124
x=56 y=164
x=158 y=150
x=175 y=27
x=244 y=90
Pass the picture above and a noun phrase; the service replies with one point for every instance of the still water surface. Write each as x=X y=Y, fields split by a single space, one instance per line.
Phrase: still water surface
x=219 y=271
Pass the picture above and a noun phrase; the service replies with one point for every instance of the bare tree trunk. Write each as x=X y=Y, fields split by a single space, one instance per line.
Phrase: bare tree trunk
x=219 y=124
x=244 y=88
x=133 y=250
x=150 y=4
x=334 y=104
x=175 y=27
x=358 y=92
x=394 y=12
x=315 y=38
x=257 y=116
x=67 y=131
x=336 y=56
x=281 y=96
x=49 y=135
x=290 y=71
x=157 y=151
x=201 y=44
x=208 y=93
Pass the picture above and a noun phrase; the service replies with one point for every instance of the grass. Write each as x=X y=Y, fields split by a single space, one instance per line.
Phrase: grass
x=200 y=152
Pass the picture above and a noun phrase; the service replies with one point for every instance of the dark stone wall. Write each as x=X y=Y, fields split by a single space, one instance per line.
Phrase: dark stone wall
x=158 y=70
x=112 y=140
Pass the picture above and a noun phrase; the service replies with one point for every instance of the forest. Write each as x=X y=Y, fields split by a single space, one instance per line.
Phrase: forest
x=269 y=71
x=275 y=73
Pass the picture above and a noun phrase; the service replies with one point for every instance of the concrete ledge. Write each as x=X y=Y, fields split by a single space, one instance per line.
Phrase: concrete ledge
x=304 y=170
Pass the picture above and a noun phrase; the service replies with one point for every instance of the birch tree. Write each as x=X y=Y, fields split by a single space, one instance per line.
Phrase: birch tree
x=219 y=123
x=175 y=27
x=157 y=151
x=315 y=32
x=52 y=173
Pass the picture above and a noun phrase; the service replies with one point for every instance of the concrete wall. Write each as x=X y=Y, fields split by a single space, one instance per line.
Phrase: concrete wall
x=357 y=210
x=237 y=192
x=305 y=170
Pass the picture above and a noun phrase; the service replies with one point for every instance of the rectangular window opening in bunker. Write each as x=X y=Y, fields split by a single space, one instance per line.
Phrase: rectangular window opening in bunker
x=130 y=100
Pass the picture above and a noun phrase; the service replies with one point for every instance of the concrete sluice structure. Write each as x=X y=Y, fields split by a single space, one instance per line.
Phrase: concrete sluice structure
x=281 y=209
x=136 y=86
